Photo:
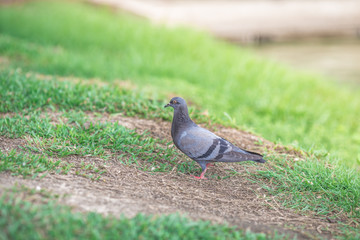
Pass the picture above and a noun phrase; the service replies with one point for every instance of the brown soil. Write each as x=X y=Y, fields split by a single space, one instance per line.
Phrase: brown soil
x=127 y=190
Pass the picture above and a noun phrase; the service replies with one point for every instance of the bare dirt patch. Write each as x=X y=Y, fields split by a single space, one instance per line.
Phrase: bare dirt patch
x=7 y=144
x=130 y=191
x=127 y=190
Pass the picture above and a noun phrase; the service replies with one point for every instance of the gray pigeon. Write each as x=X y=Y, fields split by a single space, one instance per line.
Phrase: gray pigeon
x=201 y=145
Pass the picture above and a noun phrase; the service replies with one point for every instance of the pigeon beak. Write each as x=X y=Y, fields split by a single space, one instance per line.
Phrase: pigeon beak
x=167 y=105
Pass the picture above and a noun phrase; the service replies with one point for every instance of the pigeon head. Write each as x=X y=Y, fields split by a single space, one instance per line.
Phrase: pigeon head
x=176 y=103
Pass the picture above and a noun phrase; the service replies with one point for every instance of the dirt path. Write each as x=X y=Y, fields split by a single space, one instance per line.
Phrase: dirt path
x=249 y=21
x=127 y=190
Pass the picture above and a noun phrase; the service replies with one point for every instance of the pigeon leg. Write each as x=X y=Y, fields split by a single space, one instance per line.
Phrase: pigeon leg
x=204 y=166
x=202 y=175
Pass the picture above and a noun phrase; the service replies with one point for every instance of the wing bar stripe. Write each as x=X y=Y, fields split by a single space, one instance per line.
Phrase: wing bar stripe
x=210 y=150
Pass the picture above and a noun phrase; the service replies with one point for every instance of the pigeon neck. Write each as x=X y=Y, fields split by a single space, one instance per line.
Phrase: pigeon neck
x=181 y=115
x=181 y=118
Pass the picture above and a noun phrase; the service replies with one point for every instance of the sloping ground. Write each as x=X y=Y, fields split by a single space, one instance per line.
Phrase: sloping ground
x=124 y=189
x=235 y=193
x=128 y=48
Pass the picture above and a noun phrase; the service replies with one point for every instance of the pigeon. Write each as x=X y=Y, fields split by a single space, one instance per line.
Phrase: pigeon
x=200 y=144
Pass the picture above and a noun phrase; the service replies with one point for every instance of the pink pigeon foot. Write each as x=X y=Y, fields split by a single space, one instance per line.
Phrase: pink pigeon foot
x=202 y=175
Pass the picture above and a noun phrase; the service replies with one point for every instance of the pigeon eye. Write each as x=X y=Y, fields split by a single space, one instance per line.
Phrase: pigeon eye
x=174 y=102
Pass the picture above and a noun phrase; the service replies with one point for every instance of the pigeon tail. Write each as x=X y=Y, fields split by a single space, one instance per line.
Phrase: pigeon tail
x=239 y=156
x=260 y=160
x=260 y=157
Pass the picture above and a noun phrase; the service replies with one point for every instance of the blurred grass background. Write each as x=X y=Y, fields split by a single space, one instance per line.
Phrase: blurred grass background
x=233 y=84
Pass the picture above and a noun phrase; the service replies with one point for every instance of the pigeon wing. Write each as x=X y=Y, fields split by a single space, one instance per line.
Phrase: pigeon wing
x=201 y=144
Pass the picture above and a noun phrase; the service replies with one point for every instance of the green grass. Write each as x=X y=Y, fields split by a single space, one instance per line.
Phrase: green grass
x=27 y=164
x=27 y=94
x=74 y=39
x=64 y=139
x=313 y=185
x=71 y=38
x=297 y=184
x=21 y=219
x=79 y=135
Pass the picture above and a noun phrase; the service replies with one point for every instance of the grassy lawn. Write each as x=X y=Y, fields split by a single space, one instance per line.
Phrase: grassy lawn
x=308 y=185
x=235 y=86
